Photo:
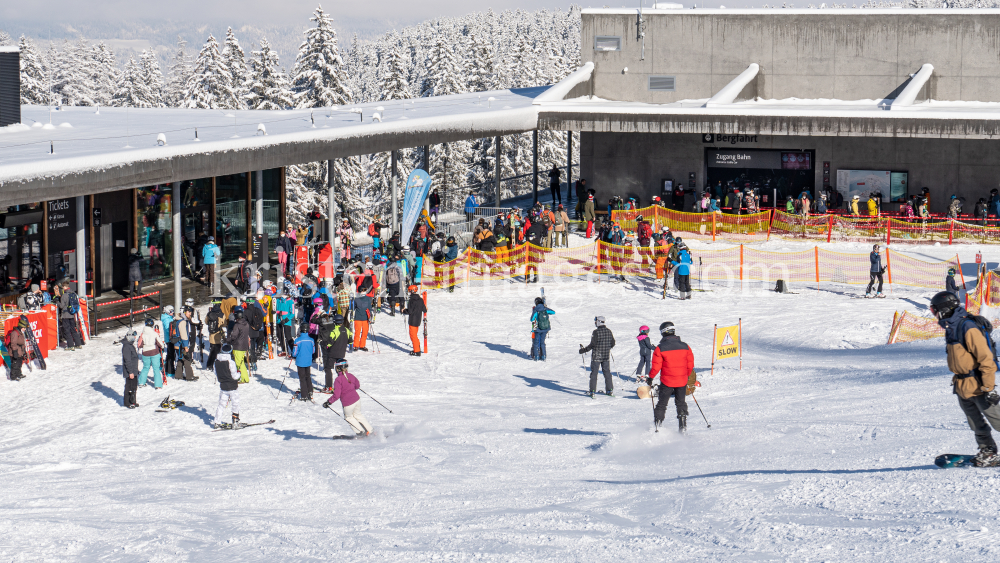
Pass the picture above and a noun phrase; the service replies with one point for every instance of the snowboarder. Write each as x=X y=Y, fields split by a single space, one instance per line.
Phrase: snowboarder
x=303 y=353
x=972 y=358
x=674 y=362
x=345 y=389
x=414 y=310
x=601 y=343
x=18 y=349
x=876 y=272
x=229 y=391
x=540 y=327
x=151 y=347
x=646 y=348
x=130 y=367
x=949 y=283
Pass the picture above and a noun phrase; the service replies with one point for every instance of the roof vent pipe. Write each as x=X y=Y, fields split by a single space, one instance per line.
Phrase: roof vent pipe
x=728 y=93
x=161 y=140
x=909 y=94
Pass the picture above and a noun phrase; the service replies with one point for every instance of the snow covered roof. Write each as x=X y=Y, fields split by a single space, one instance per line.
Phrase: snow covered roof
x=795 y=12
x=10 y=49
x=95 y=150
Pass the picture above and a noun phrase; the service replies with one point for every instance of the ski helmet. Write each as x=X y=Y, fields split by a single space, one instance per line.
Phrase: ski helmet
x=338 y=319
x=598 y=321
x=131 y=336
x=644 y=329
x=237 y=313
x=667 y=328
x=303 y=328
x=189 y=302
x=678 y=240
x=340 y=365
x=149 y=322
x=539 y=301
x=944 y=304
x=951 y=271
x=226 y=349
x=169 y=309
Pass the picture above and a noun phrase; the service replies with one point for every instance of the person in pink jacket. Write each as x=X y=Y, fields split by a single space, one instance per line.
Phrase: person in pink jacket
x=345 y=388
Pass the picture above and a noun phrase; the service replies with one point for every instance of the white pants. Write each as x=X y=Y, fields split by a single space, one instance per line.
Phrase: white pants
x=353 y=416
x=225 y=398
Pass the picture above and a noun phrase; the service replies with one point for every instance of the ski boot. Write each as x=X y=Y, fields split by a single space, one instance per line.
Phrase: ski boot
x=327 y=390
x=868 y=295
x=682 y=423
x=987 y=457
x=880 y=295
x=415 y=354
x=590 y=394
x=610 y=393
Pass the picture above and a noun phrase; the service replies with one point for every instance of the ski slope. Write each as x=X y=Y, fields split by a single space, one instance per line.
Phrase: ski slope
x=821 y=448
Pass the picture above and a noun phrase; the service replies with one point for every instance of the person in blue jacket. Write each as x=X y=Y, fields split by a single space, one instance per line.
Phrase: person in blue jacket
x=540 y=327
x=683 y=264
x=303 y=353
x=470 y=207
x=210 y=255
x=284 y=311
x=167 y=319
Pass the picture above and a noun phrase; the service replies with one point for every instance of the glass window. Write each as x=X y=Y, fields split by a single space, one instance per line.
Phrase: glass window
x=231 y=215
x=272 y=193
x=196 y=193
x=20 y=247
x=153 y=207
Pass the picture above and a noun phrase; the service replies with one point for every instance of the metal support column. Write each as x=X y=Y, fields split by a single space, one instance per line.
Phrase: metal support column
x=569 y=165
x=175 y=210
x=395 y=196
x=259 y=208
x=331 y=213
x=534 y=167
x=427 y=169
x=81 y=246
x=499 y=153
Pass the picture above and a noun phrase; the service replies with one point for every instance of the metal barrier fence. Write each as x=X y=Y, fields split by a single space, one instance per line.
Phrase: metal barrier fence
x=131 y=312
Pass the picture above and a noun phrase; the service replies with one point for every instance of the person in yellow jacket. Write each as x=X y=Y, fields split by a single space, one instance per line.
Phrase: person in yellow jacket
x=854 y=206
x=872 y=207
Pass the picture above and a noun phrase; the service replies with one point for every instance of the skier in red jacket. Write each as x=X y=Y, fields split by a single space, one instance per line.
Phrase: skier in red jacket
x=674 y=362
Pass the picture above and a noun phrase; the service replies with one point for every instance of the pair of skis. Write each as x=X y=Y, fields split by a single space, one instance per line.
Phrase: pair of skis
x=241 y=425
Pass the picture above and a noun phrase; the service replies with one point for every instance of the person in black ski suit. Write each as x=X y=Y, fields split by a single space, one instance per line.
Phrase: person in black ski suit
x=554 y=176
x=130 y=370
x=949 y=283
x=601 y=343
x=334 y=338
x=876 y=272
x=216 y=321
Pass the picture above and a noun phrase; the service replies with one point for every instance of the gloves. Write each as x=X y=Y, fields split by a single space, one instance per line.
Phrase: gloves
x=581 y=349
x=326 y=404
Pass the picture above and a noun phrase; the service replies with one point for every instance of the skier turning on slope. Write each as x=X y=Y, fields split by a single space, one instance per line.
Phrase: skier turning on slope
x=601 y=343
x=973 y=362
x=674 y=362
x=345 y=388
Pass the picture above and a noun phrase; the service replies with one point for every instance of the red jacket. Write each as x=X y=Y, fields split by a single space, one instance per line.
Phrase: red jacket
x=673 y=360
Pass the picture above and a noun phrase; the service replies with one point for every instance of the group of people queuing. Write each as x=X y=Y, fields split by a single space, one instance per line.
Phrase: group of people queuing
x=17 y=339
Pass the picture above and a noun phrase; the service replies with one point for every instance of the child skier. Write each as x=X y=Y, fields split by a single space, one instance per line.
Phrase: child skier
x=229 y=394
x=17 y=348
x=540 y=327
x=303 y=353
x=345 y=388
x=646 y=348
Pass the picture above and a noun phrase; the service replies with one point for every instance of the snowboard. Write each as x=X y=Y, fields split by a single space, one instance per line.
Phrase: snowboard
x=242 y=425
x=30 y=337
x=946 y=461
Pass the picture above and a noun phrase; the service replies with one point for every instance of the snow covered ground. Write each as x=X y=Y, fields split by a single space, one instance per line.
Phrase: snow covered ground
x=820 y=449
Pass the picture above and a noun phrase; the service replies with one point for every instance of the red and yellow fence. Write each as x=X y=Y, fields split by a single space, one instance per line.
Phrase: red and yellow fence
x=909 y=327
x=738 y=263
x=762 y=226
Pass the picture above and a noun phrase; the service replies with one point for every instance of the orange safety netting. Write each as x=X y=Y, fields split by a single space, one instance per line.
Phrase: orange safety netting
x=740 y=228
x=738 y=263
x=907 y=327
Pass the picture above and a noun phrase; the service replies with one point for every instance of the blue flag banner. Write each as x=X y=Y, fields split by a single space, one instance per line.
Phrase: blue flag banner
x=418 y=185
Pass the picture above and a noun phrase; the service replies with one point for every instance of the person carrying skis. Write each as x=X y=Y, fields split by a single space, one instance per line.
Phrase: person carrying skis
x=239 y=340
x=303 y=352
x=414 y=310
x=151 y=347
x=972 y=358
x=683 y=273
x=17 y=347
x=876 y=272
x=130 y=368
x=646 y=348
x=949 y=283
x=345 y=389
x=229 y=390
x=540 y=327
x=601 y=343
x=674 y=362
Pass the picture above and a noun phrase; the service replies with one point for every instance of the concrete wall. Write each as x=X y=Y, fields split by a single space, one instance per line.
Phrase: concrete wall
x=622 y=163
x=842 y=54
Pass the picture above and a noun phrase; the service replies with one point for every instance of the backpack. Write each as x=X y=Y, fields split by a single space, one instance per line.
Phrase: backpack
x=392 y=274
x=173 y=334
x=371 y=230
x=6 y=338
x=74 y=304
x=542 y=320
x=984 y=325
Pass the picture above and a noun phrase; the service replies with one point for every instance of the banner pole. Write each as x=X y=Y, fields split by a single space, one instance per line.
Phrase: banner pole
x=715 y=329
x=829 y=228
x=741 y=343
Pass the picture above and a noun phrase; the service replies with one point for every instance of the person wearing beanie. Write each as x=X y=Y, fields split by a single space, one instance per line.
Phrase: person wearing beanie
x=588 y=214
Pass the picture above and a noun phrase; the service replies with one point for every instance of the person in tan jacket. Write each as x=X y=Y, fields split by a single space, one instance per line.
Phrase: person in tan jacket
x=562 y=223
x=971 y=358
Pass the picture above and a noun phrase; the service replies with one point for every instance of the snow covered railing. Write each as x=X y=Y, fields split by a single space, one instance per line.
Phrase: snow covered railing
x=909 y=94
x=728 y=93
x=559 y=90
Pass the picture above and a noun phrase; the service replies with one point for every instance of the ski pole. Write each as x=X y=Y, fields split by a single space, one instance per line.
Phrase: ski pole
x=699 y=409
x=376 y=400
x=344 y=419
x=656 y=426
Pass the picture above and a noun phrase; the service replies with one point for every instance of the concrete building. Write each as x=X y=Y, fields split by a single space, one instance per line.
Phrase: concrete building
x=788 y=100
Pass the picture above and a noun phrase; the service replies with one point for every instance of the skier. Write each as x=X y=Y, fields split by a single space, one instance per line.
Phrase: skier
x=284 y=309
x=876 y=272
x=243 y=273
x=645 y=351
x=949 y=283
x=303 y=352
x=362 y=316
x=151 y=347
x=210 y=254
x=415 y=310
x=854 y=206
x=674 y=362
x=682 y=276
x=972 y=358
x=345 y=389
x=69 y=306
x=229 y=391
x=955 y=209
x=135 y=272
x=239 y=341
x=601 y=343
x=346 y=235
x=540 y=327
x=18 y=349
x=130 y=365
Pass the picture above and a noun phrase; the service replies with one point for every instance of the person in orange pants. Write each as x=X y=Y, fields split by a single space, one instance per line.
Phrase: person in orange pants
x=662 y=249
x=362 y=316
x=415 y=310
